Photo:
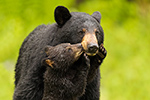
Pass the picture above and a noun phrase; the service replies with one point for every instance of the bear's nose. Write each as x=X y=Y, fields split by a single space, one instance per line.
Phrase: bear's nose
x=92 y=48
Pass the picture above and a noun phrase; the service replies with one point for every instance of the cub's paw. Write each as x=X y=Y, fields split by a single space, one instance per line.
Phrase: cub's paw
x=87 y=60
x=84 y=61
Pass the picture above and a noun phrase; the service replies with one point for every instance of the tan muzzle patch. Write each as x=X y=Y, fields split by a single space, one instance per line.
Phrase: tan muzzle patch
x=87 y=40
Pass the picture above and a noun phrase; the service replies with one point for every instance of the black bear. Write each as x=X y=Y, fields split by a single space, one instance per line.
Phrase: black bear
x=73 y=28
x=62 y=81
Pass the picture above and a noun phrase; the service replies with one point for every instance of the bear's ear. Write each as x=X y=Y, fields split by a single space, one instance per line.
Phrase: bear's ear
x=97 y=16
x=48 y=49
x=62 y=15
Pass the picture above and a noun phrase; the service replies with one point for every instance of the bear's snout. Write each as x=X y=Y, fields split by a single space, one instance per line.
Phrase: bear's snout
x=90 y=44
x=93 y=48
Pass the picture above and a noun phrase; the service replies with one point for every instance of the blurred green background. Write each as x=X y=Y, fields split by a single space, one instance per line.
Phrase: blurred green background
x=126 y=23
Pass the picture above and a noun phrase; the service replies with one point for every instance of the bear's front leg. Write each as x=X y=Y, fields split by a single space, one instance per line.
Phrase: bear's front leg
x=82 y=67
x=93 y=78
x=95 y=62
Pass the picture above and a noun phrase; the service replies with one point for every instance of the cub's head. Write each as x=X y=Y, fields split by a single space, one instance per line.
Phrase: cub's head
x=78 y=27
x=62 y=55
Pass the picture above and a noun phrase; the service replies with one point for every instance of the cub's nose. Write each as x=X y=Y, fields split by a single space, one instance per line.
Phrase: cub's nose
x=92 y=48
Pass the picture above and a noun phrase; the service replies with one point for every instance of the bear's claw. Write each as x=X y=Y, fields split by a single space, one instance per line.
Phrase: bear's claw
x=102 y=52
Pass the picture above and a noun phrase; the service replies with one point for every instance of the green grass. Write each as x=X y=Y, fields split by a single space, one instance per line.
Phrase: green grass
x=6 y=83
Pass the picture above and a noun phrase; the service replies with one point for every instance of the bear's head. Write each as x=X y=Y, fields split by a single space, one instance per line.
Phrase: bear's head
x=59 y=54
x=78 y=27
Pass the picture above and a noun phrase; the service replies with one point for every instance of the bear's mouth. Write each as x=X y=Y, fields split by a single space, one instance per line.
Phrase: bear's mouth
x=91 y=54
x=91 y=51
x=78 y=54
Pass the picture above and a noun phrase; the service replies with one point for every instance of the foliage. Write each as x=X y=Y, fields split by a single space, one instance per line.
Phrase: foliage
x=125 y=71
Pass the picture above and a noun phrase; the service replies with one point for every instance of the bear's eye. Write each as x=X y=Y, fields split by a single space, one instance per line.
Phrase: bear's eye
x=82 y=31
x=70 y=50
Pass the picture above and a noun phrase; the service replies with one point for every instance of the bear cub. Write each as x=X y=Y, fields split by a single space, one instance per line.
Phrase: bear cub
x=66 y=74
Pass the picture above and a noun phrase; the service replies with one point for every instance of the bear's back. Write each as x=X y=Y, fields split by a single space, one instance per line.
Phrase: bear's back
x=31 y=50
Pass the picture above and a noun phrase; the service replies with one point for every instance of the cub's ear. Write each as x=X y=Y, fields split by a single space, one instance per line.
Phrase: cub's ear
x=62 y=15
x=48 y=50
x=97 y=16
